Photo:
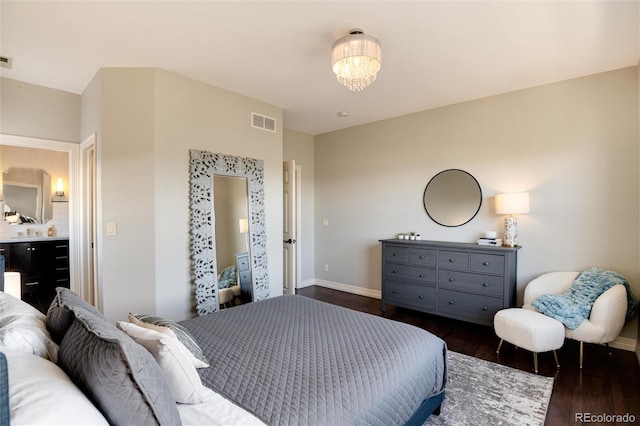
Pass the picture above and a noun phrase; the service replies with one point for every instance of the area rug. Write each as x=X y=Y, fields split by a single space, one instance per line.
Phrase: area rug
x=485 y=393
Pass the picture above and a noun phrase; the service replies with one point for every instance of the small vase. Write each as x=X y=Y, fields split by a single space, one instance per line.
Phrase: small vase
x=418 y=237
x=412 y=237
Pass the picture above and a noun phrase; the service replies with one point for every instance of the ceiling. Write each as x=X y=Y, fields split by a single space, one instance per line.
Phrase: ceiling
x=435 y=53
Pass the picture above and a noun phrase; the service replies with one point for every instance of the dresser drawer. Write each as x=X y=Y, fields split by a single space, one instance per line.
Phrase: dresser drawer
x=464 y=281
x=486 y=263
x=423 y=257
x=396 y=254
x=456 y=260
x=412 y=273
x=243 y=263
x=409 y=294
x=473 y=306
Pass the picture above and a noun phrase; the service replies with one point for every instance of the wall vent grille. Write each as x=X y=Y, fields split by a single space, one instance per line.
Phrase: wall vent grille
x=6 y=62
x=263 y=122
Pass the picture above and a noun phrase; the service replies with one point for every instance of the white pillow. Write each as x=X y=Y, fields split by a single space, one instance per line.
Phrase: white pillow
x=23 y=328
x=198 y=363
x=40 y=393
x=179 y=371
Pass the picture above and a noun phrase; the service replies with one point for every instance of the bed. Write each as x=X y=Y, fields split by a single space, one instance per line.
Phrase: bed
x=295 y=360
x=284 y=360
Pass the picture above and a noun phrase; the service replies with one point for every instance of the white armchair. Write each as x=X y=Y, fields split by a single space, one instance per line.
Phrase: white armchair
x=607 y=314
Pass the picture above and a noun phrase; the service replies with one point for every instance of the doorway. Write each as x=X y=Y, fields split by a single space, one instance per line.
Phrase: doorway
x=292 y=247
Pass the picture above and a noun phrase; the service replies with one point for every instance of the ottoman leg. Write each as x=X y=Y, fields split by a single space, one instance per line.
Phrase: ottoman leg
x=555 y=355
x=535 y=362
x=499 y=346
x=581 y=353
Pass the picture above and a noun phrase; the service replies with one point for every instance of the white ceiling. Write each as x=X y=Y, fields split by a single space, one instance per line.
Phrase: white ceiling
x=435 y=53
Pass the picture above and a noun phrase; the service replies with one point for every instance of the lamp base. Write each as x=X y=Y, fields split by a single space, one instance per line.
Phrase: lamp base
x=510 y=231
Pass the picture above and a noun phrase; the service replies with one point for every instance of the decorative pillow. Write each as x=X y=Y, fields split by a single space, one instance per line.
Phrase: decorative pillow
x=23 y=328
x=119 y=376
x=174 y=360
x=183 y=335
x=41 y=393
x=4 y=390
x=60 y=315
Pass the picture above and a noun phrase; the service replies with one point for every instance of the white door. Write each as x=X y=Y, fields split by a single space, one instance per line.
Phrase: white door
x=88 y=264
x=289 y=227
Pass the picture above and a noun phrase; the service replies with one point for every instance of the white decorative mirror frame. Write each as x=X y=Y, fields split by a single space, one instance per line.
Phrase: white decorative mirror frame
x=203 y=165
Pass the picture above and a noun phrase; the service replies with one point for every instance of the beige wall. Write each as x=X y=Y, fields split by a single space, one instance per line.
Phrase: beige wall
x=300 y=147
x=148 y=121
x=573 y=145
x=38 y=112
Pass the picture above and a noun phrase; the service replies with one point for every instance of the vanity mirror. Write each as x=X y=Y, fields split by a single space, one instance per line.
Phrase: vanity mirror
x=218 y=218
x=452 y=197
x=26 y=195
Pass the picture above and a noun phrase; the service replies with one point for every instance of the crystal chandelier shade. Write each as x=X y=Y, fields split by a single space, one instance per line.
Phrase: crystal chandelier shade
x=356 y=59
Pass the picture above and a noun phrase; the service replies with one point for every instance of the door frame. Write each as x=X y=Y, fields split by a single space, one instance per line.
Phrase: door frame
x=74 y=224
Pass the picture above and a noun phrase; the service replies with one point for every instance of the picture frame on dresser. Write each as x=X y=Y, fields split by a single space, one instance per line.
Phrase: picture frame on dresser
x=464 y=281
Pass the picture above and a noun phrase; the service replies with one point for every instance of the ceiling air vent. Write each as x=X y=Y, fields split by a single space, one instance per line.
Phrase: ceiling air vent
x=5 y=62
x=263 y=122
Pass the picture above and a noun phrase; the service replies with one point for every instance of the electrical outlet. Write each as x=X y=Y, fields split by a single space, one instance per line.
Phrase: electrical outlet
x=326 y=267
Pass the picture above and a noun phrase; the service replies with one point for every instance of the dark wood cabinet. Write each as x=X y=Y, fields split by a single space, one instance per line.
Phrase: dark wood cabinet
x=43 y=266
x=457 y=280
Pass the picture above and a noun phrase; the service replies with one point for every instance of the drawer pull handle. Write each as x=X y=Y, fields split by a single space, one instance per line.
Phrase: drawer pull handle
x=451 y=280
x=395 y=271
x=485 y=308
x=420 y=297
x=485 y=263
x=451 y=302
x=452 y=260
x=394 y=292
x=421 y=256
x=485 y=285
x=421 y=275
x=395 y=254
x=33 y=283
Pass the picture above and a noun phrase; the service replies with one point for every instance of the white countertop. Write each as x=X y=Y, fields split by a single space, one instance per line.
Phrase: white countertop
x=30 y=239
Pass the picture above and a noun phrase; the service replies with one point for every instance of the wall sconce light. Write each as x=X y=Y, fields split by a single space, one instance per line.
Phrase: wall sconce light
x=12 y=284
x=60 y=188
x=510 y=204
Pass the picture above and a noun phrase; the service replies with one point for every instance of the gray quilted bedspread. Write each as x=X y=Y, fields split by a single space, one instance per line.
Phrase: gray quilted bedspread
x=292 y=360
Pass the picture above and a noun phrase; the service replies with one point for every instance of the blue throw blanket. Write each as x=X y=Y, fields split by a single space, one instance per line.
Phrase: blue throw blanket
x=574 y=306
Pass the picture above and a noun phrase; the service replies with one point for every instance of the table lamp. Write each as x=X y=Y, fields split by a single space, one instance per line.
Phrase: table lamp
x=510 y=204
x=12 y=284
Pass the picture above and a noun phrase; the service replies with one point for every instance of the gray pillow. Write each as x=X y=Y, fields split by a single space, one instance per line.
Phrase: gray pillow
x=181 y=333
x=119 y=376
x=60 y=313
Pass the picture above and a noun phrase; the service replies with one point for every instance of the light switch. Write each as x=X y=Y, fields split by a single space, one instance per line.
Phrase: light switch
x=112 y=229
x=325 y=222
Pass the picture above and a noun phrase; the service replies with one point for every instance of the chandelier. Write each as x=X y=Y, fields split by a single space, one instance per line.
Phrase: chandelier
x=356 y=59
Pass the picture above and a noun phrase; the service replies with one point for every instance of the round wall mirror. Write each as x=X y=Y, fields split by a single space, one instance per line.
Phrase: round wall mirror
x=452 y=197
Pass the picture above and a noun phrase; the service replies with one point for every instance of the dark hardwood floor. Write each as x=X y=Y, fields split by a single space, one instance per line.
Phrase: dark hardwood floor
x=608 y=384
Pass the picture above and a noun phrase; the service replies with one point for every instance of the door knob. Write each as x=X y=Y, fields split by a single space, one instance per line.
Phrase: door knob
x=290 y=241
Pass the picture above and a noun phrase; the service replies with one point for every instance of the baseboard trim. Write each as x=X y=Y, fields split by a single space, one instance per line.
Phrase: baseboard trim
x=624 y=343
x=360 y=291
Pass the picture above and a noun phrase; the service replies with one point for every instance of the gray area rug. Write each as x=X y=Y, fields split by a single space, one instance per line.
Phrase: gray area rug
x=485 y=393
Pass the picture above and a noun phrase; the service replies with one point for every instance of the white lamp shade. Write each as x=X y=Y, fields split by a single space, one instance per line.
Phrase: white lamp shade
x=12 y=284
x=512 y=203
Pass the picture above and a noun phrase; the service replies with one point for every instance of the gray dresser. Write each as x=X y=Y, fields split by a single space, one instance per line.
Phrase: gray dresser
x=465 y=281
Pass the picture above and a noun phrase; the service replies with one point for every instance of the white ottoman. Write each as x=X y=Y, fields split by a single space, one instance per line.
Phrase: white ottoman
x=529 y=330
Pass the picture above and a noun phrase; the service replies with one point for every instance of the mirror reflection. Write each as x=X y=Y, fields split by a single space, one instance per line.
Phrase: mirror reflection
x=26 y=196
x=230 y=206
x=452 y=197
x=252 y=264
